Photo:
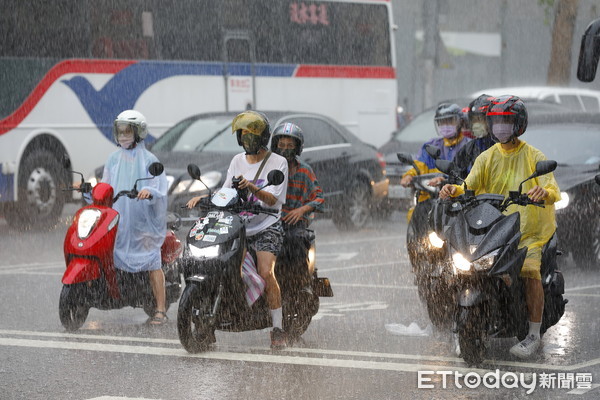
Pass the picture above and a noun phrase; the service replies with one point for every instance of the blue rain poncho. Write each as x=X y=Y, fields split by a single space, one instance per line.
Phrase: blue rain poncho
x=143 y=223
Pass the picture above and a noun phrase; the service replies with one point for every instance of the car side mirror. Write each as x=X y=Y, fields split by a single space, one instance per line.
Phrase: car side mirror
x=156 y=169
x=194 y=171
x=589 y=53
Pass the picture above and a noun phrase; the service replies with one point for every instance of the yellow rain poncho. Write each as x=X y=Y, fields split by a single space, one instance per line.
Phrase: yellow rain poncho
x=498 y=171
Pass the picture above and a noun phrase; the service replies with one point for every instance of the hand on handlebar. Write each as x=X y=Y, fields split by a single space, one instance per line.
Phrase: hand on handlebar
x=447 y=191
x=144 y=194
x=193 y=202
x=537 y=194
x=406 y=180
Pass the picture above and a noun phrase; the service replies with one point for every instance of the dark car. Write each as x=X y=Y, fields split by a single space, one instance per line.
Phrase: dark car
x=350 y=172
x=574 y=142
x=411 y=138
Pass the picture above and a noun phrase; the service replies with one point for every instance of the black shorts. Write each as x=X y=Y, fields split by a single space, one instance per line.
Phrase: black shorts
x=269 y=240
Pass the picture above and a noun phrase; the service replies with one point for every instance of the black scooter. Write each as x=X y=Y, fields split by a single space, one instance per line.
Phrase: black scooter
x=216 y=296
x=485 y=259
x=426 y=250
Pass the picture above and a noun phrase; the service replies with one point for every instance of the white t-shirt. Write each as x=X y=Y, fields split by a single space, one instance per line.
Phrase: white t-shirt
x=240 y=166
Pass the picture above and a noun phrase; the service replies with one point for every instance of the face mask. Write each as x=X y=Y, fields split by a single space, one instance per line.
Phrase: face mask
x=447 y=131
x=289 y=154
x=251 y=143
x=502 y=132
x=479 y=129
x=126 y=141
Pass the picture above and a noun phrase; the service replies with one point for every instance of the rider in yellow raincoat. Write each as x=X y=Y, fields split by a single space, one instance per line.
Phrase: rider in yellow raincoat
x=500 y=169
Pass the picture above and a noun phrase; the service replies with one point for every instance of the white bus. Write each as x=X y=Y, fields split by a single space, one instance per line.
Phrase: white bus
x=68 y=67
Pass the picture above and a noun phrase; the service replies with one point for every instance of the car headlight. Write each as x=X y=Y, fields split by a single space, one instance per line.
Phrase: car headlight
x=435 y=240
x=460 y=263
x=563 y=202
x=486 y=262
x=204 y=252
x=211 y=179
x=87 y=221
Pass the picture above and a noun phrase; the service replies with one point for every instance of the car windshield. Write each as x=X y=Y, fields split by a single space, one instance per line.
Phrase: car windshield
x=567 y=144
x=203 y=134
x=419 y=130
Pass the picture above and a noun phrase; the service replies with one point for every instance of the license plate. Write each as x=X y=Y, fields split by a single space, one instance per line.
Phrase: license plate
x=399 y=192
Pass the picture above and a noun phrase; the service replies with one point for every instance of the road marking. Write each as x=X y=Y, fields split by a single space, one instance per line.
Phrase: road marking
x=362 y=240
x=357 y=266
x=372 y=286
x=568 y=289
x=331 y=257
x=583 y=391
x=252 y=349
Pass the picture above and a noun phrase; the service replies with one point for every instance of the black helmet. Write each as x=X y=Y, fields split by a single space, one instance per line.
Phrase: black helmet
x=253 y=121
x=290 y=130
x=508 y=105
x=448 y=111
x=480 y=105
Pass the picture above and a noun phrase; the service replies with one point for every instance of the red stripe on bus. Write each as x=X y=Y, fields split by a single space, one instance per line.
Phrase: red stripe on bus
x=329 y=71
x=60 y=69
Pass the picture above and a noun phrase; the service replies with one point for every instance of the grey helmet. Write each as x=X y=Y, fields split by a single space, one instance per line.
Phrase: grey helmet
x=290 y=130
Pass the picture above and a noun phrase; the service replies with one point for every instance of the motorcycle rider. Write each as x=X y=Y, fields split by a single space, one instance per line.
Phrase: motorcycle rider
x=501 y=168
x=264 y=232
x=479 y=132
x=142 y=225
x=304 y=195
x=448 y=124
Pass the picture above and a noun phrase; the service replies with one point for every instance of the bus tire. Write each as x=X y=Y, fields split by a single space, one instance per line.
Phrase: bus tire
x=41 y=199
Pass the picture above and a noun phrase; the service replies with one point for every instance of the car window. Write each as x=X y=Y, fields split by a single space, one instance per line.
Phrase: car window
x=570 y=101
x=590 y=103
x=419 y=130
x=317 y=132
x=567 y=144
x=212 y=133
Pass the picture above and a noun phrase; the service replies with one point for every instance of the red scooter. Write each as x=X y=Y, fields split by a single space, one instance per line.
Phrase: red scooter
x=91 y=279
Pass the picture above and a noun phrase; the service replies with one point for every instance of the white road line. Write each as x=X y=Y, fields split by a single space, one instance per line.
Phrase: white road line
x=357 y=266
x=568 y=289
x=362 y=240
x=583 y=391
x=33 y=265
x=372 y=286
x=290 y=350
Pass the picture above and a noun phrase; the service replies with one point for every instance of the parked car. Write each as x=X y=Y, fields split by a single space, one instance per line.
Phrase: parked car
x=575 y=99
x=350 y=172
x=574 y=141
x=417 y=132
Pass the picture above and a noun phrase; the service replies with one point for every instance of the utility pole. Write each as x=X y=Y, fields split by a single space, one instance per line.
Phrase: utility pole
x=430 y=44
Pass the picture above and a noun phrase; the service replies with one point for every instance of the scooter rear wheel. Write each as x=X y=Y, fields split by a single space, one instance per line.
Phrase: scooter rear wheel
x=72 y=309
x=193 y=325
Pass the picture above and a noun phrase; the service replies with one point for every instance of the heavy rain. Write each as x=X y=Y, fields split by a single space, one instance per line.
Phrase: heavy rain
x=135 y=264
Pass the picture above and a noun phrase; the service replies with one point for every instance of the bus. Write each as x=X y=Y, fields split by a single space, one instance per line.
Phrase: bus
x=69 y=67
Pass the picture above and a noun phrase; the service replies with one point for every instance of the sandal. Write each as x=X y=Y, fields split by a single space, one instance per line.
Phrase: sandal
x=156 y=321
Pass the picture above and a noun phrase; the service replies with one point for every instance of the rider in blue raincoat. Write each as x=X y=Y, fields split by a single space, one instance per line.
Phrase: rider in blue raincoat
x=143 y=224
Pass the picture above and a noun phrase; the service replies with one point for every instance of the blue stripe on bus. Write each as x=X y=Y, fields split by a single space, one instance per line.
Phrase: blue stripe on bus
x=123 y=90
x=6 y=186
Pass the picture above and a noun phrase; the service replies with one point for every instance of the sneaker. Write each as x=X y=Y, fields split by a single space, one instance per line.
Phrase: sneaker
x=527 y=347
x=278 y=339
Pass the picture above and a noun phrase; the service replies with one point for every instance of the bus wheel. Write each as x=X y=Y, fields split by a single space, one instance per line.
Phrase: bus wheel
x=40 y=196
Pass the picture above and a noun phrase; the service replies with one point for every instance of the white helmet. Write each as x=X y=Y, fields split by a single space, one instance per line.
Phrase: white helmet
x=136 y=120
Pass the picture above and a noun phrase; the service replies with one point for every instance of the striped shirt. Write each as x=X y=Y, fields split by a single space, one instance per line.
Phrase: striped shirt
x=303 y=189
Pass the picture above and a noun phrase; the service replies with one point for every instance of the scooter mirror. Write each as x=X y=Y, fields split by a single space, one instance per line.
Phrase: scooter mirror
x=589 y=53
x=156 y=168
x=275 y=177
x=404 y=158
x=545 y=167
x=445 y=166
x=194 y=171
x=433 y=151
x=597 y=179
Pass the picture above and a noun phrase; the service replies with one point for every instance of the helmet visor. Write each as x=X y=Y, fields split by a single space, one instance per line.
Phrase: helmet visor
x=506 y=118
x=124 y=128
x=453 y=120
x=249 y=122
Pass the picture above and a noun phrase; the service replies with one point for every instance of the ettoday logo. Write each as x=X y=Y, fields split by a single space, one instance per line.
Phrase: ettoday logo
x=472 y=380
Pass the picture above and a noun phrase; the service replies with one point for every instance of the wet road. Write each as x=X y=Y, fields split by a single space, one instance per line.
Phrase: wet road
x=353 y=349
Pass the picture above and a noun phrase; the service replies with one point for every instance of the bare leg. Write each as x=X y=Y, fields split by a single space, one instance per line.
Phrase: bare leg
x=157 y=281
x=534 y=295
x=266 y=269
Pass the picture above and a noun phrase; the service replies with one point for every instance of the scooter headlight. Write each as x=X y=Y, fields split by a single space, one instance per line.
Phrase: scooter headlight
x=204 y=252
x=486 y=262
x=460 y=263
x=435 y=240
x=87 y=221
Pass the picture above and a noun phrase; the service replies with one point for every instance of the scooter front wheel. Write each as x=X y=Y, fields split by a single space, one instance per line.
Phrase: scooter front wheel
x=72 y=308
x=193 y=318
